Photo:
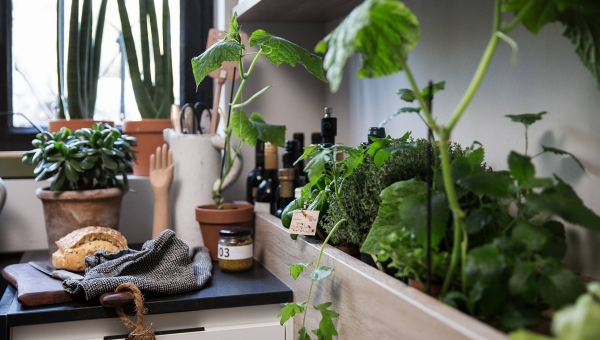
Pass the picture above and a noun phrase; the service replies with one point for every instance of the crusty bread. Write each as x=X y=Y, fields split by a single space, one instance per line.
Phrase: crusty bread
x=74 y=247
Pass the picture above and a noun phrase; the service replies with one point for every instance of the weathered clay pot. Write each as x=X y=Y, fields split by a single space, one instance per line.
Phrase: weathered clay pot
x=212 y=221
x=149 y=134
x=67 y=211
x=436 y=289
x=350 y=249
x=74 y=124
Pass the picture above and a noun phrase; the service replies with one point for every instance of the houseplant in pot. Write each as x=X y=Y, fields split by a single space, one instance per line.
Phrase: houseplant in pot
x=83 y=69
x=152 y=87
x=85 y=190
x=247 y=129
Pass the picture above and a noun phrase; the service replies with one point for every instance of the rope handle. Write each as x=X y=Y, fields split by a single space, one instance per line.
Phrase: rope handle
x=138 y=331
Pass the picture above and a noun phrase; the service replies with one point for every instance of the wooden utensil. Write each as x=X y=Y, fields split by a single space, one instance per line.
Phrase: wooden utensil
x=38 y=289
x=222 y=74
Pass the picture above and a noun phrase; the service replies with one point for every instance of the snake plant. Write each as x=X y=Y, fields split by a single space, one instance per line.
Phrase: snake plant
x=153 y=96
x=83 y=64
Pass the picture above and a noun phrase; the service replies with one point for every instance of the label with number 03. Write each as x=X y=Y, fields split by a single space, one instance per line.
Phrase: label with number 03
x=235 y=253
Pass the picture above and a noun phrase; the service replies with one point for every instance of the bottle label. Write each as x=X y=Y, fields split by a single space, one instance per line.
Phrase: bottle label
x=235 y=253
x=262 y=207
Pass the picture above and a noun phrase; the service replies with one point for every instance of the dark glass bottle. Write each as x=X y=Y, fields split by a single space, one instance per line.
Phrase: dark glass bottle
x=377 y=132
x=256 y=175
x=299 y=136
x=286 y=189
x=265 y=194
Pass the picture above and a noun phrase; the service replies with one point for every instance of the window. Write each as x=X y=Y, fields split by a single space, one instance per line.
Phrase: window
x=29 y=82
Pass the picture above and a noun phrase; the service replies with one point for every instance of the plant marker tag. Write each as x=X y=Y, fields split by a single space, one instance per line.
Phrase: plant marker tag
x=304 y=222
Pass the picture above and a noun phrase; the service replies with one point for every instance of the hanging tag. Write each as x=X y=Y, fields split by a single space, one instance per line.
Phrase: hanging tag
x=304 y=222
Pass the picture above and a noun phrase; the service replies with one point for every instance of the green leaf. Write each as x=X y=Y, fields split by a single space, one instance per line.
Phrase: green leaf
x=234 y=29
x=302 y=335
x=478 y=220
x=579 y=321
x=534 y=236
x=437 y=87
x=279 y=51
x=297 y=268
x=72 y=174
x=556 y=244
x=413 y=212
x=274 y=134
x=388 y=216
x=316 y=166
x=381 y=31
x=242 y=128
x=380 y=157
x=407 y=95
x=562 y=200
x=60 y=182
x=520 y=167
x=289 y=310
x=522 y=281
x=326 y=330
x=321 y=273
x=523 y=334
x=562 y=152
x=542 y=12
x=496 y=184
x=527 y=118
x=352 y=163
x=517 y=316
x=213 y=57
x=476 y=156
x=109 y=162
x=559 y=287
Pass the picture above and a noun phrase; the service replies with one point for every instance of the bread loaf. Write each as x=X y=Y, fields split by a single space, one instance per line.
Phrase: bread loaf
x=75 y=246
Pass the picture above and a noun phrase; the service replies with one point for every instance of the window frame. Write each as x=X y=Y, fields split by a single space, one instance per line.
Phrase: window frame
x=193 y=36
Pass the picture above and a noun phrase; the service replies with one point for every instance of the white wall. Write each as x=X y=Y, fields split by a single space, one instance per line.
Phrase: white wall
x=548 y=77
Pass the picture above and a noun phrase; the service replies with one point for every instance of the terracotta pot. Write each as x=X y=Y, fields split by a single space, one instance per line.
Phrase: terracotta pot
x=149 y=134
x=74 y=124
x=67 y=211
x=350 y=249
x=212 y=221
x=436 y=289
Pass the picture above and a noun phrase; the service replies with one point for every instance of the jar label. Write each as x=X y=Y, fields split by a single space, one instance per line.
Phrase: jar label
x=235 y=253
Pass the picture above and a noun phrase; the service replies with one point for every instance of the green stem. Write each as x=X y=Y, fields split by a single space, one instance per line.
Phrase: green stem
x=526 y=139
x=312 y=282
x=377 y=263
x=518 y=18
x=420 y=99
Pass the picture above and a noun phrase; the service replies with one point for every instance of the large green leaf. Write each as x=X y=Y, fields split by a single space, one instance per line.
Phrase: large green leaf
x=413 y=212
x=289 y=310
x=242 y=128
x=321 y=273
x=326 y=330
x=255 y=128
x=563 y=201
x=520 y=166
x=559 y=286
x=580 y=321
x=478 y=219
x=388 y=216
x=522 y=281
x=562 y=153
x=527 y=118
x=316 y=166
x=556 y=244
x=213 y=57
x=381 y=31
x=297 y=269
x=534 y=236
x=496 y=184
x=279 y=51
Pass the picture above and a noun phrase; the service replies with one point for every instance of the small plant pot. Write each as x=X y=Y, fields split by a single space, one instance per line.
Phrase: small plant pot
x=149 y=135
x=67 y=211
x=350 y=249
x=436 y=289
x=74 y=124
x=212 y=221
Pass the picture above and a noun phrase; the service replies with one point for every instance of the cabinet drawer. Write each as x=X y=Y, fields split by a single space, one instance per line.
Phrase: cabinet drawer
x=268 y=331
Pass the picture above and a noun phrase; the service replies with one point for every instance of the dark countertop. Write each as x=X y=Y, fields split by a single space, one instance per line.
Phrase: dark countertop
x=251 y=288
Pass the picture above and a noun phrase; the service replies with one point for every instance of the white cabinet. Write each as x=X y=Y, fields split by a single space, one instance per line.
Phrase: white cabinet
x=248 y=323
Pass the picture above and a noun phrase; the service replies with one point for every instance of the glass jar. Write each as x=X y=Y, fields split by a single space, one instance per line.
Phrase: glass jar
x=235 y=249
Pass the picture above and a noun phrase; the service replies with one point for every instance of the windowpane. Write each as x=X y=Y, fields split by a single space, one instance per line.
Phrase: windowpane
x=35 y=77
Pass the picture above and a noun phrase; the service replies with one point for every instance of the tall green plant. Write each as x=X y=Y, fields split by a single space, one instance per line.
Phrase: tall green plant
x=83 y=63
x=153 y=96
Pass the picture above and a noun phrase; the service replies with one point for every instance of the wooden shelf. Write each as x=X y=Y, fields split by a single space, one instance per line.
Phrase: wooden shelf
x=294 y=10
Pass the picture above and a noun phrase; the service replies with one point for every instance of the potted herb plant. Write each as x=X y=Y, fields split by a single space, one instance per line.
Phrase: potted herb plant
x=152 y=82
x=83 y=69
x=85 y=190
x=248 y=129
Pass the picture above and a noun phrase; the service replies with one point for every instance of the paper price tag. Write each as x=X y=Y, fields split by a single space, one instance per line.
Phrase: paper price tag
x=304 y=222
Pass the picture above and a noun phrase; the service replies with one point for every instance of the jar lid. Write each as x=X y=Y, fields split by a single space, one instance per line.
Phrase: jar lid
x=236 y=231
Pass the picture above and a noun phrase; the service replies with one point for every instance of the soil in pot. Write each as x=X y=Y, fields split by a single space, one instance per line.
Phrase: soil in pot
x=67 y=211
x=436 y=289
x=212 y=221
x=74 y=124
x=149 y=135
x=350 y=249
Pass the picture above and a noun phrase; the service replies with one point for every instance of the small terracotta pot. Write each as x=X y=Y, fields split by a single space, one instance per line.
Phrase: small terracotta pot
x=350 y=249
x=74 y=124
x=212 y=221
x=66 y=211
x=436 y=289
x=149 y=134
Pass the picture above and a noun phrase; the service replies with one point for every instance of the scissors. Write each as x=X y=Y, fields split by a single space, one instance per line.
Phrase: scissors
x=191 y=119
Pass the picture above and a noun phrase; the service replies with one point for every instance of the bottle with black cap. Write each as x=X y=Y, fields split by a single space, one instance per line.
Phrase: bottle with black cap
x=286 y=189
x=256 y=175
x=301 y=176
x=328 y=128
x=265 y=194
x=374 y=131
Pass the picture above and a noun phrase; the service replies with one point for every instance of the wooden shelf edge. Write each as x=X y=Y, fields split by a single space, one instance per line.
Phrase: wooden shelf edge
x=371 y=304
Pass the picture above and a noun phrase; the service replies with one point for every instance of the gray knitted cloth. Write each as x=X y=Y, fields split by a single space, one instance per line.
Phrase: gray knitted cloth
x=165 y=265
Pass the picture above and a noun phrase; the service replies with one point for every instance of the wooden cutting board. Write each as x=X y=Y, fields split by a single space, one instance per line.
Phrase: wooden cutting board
x=38 y=289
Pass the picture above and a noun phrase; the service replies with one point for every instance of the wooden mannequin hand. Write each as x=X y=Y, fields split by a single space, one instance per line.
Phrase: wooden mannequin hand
x=161 y=177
